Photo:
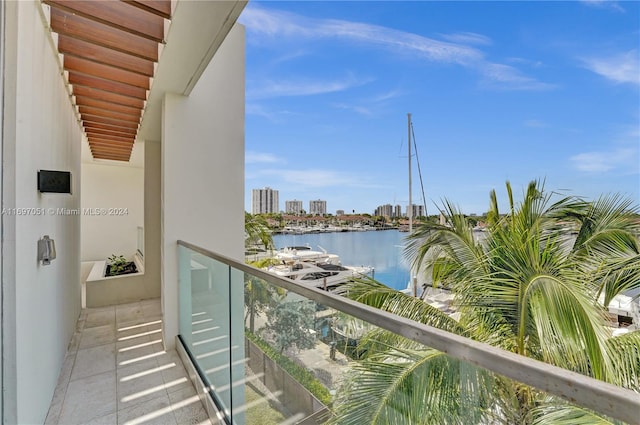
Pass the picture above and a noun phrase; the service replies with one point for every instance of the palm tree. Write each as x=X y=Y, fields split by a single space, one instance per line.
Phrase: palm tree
x=538 y=285
x=259 y=296
x=256 y=231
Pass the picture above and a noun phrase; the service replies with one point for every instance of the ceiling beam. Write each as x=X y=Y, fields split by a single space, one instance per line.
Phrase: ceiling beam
x=106 y=72
x=107 y=106
x=122 y=158
x=92 y=122
x=116 y=14
x=106 y=114
x=113 y=149
x=107 y=96
x=111 y=142
x=159 y=7
x=83 y=28
x=75 y=47
x=116 y=135
x=101 y=128
x=107 y=85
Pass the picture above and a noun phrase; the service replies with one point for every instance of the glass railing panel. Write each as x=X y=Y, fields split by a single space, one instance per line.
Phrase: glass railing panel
x=291 y=358
x=348 y=367
x=205 y=320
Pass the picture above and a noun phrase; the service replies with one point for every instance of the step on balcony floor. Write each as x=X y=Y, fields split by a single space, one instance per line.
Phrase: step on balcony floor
x=116 y=371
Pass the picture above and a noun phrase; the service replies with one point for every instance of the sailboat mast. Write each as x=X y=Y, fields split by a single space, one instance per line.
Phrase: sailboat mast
x=410 y=208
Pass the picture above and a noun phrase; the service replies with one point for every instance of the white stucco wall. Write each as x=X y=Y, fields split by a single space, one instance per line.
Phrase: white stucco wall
x=203 y=184
x=203 y=168
x=152 y=203
x=40 y=131
x=118 y=191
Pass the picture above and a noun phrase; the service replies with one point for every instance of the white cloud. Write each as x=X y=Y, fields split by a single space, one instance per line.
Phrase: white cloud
x=508 y=77
x=261 y=158
x=604 y=4
x=270 y=23
x=273 y=22
x=600 y=162
x=527 y=62
x=620 y=68
x=467 y=38
x=274 y=115
x=315 y=178
x=303 y=87
x=533 y=123
x=386 y=96
x=355 y=108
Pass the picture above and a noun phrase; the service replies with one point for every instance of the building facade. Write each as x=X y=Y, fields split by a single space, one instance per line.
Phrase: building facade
x=318 y=207
x=293 y=207
x=265 y=201
x=417 y=210
x=384 y=210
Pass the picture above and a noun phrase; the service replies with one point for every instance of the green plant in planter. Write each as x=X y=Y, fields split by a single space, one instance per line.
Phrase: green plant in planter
x=118 y=264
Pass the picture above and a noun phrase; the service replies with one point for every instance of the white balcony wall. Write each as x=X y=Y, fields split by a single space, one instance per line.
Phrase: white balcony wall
x=40 y=303
x=152 y=205
x=203 y=168
x=113 y=208
x=203 y=179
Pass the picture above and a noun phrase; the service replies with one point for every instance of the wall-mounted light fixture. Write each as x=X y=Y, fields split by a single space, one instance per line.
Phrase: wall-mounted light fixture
x=46 y=250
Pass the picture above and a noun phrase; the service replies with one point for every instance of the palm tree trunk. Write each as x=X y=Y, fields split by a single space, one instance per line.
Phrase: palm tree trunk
x=252 y=315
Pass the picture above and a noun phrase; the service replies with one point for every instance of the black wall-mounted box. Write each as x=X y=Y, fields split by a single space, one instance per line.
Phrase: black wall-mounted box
x=54 y=181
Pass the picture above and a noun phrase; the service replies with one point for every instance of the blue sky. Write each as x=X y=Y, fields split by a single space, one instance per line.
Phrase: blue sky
x=498 y=91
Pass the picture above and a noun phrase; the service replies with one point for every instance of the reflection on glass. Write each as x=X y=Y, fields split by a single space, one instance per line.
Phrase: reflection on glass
x=281 y=357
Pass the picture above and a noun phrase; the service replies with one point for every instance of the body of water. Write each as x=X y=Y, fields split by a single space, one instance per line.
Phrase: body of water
x=382 y=250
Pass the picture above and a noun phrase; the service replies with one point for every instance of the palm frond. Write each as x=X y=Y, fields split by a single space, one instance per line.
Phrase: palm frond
x=624 y=354
x=569 y=326
x=554 y=412
x=434 y=388
x=616 y=276
x=373 y=293
x=608 y=225
x=257 y=231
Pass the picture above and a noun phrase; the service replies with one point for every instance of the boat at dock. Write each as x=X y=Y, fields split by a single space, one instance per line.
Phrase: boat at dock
x=318 y=269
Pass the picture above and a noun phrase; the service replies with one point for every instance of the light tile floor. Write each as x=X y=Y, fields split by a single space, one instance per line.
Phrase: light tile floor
x=116 y=371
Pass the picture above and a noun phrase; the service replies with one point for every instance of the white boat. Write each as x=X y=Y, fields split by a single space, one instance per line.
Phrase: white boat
x=315 y=268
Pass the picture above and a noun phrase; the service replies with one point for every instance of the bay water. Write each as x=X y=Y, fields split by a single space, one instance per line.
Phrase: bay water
x=383 y=250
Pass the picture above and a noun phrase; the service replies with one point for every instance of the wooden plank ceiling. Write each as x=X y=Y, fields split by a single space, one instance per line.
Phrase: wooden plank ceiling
x=109 y=48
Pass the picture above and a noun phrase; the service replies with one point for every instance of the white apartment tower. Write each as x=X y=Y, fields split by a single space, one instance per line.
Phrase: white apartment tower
x=418 y=210
x=317 y=207
x=384 y=210
x=265 y=201
x=293 y=207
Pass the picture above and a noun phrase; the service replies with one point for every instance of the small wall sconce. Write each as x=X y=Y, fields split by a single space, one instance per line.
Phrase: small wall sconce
x=46 y=250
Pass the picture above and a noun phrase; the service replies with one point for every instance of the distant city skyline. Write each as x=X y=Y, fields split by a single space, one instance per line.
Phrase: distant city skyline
x=498 y=91
x=265 y=200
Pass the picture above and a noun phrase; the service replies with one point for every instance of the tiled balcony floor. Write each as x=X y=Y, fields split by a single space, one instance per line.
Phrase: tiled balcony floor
x=116 y=371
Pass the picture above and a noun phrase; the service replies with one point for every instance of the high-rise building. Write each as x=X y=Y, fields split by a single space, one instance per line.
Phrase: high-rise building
x=317 y=207
x=340 y=212
x=397 y=211
x=265 y=201
x=384 y=210
x=417 y=210
x=293 y=207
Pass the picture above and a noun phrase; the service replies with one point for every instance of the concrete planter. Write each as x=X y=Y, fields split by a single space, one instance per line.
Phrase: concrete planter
x=102 y=291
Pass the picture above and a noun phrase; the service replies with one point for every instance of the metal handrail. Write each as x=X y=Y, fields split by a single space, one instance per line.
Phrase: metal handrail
x=608 y=399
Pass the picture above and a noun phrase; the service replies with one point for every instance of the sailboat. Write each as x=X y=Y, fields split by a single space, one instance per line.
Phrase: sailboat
x=413 y=279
